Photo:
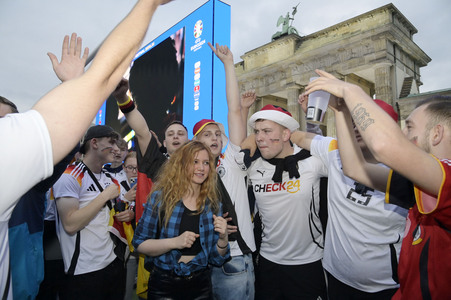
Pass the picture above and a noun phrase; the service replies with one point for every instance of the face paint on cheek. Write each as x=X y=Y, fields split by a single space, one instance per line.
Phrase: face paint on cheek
x=107 y=148
x=274 y=140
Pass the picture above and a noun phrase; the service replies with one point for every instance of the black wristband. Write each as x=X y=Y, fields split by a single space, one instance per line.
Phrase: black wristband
x=222 y=247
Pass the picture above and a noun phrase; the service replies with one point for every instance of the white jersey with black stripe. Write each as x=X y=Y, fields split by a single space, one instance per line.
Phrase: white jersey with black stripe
x=363 y=232
x=292 y=232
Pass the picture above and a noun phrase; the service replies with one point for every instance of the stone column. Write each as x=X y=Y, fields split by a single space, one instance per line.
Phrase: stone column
x=293 y=92
x=383 y=82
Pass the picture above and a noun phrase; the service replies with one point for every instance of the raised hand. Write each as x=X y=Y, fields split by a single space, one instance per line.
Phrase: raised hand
x=120 y=93
x=248 y=98
x=186 y=239
x=329 y=83
x=303 y=101
x=156 y=138
x=72 y=65
x=337 y=104
x=222 y=52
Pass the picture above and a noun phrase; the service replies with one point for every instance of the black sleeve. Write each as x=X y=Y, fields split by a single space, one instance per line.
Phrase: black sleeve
x=152 y=160
x=400 y=190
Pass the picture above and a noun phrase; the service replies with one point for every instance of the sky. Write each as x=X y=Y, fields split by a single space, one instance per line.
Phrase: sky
x=29 y=29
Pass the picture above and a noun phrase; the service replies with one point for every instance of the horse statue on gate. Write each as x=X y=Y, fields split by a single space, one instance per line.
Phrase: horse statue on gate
x=286 y=27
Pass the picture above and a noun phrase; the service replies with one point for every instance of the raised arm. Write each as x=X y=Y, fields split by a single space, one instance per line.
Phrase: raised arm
x=354 y=163
x=134 y=118
x=79 y=99
x=237 y=127
x=247 y=99
x=382 y=135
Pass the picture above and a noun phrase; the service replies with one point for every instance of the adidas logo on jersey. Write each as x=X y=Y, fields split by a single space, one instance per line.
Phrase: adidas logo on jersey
x=91 y=188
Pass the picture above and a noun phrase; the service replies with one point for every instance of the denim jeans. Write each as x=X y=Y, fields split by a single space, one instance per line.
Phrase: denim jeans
x=235 y=279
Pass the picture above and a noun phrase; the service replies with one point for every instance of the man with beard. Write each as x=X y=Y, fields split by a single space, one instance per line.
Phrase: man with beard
x=420 y=179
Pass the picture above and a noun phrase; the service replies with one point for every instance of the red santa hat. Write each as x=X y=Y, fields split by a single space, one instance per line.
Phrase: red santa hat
x=388 y=109
x=276 y=114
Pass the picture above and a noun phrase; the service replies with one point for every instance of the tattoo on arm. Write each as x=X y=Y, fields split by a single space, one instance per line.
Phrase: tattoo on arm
x=361 y=117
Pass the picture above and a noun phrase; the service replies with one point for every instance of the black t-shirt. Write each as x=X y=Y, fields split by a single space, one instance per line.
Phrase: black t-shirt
x=190 y=222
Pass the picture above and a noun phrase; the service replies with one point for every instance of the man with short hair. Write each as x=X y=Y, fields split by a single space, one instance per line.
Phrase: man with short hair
x=175 y=135
x=286 y=184
x=82 y=195
x=421 y=164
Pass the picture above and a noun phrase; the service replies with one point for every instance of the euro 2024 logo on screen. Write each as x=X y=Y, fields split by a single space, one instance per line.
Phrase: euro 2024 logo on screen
x=198 y=29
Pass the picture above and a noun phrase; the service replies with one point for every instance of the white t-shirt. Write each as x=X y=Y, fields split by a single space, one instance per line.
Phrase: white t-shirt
x=96 y=245
x=292 y=232
x=26 y=159
x=360 y=229
x=234 y=179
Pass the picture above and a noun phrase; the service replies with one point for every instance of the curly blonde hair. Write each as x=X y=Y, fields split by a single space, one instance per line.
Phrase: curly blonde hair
x=174 y=180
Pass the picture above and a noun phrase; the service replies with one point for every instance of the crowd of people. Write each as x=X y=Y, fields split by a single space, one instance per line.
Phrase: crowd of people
x=220 y=217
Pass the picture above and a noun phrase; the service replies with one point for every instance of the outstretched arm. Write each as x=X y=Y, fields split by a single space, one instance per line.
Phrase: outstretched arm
x=79 y=99
x=134 y=118
x=382 y=135
x=236 y=125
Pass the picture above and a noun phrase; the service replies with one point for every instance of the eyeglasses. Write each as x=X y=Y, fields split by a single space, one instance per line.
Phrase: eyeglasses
x=131 y=168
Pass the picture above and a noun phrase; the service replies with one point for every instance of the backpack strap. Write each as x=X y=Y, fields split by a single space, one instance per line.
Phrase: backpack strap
x=74 y=260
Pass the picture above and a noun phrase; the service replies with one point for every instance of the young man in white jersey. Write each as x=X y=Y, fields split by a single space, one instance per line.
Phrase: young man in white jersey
x=82 y=195
x=285 y=182
x=421 y=177
x=364 y=234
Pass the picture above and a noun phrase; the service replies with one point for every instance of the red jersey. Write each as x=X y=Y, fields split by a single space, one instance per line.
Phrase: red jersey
x=425 y=259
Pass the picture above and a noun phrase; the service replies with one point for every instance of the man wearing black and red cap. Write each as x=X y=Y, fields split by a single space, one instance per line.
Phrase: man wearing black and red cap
x=285 y=181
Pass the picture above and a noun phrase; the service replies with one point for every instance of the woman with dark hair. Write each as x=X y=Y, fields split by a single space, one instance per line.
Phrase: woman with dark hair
x=181 y=231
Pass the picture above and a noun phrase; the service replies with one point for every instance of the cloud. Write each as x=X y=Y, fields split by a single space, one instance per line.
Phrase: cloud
x=29 y=29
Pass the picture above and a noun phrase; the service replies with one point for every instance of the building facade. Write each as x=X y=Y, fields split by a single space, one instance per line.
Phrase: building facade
x=374 y=50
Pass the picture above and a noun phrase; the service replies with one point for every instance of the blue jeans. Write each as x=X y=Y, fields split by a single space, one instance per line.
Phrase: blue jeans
x=235 y=279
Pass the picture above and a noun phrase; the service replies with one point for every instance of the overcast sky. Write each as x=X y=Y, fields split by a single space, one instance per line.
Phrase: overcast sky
x=30 y=29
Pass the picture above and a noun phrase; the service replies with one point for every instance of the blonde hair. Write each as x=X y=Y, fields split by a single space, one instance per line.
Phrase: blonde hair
x=131 y=154
x=174 y=180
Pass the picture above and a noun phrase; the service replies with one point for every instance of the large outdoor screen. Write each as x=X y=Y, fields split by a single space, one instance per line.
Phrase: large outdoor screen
x=177 y=76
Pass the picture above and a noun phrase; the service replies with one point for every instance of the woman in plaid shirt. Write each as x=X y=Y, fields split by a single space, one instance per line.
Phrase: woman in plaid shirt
x=181 y=230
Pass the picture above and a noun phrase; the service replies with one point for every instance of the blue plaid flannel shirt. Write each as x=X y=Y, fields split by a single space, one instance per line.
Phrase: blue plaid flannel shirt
x=147 y=229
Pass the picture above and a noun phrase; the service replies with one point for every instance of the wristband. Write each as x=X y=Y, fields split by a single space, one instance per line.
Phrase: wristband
x=127 y=106
x=222 y=247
